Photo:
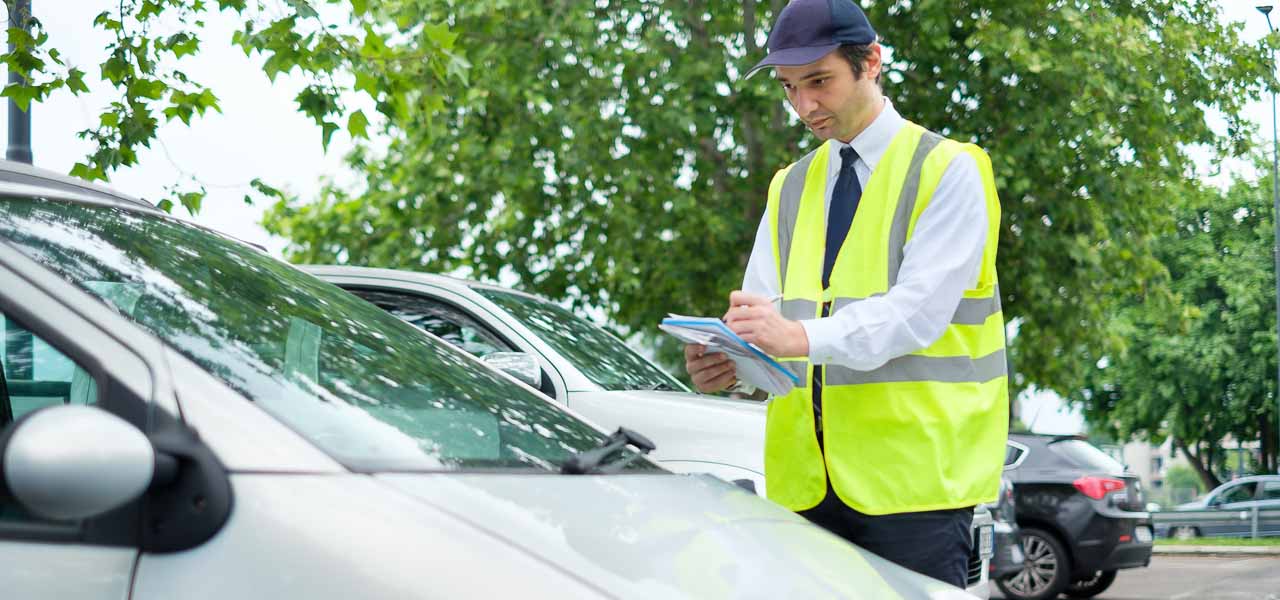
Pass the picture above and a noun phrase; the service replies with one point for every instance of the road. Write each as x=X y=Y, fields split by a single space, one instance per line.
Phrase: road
x=1196 y=578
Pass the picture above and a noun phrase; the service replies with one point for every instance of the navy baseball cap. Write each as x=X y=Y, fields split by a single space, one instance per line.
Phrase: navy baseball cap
x=807 y=30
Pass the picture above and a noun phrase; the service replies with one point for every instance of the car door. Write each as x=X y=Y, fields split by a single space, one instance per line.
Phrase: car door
x=1232 y=506
x=1269 y=507
x=455 y=323
x=55 y=352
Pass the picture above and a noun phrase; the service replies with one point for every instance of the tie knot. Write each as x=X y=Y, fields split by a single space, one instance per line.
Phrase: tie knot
x=847 y=157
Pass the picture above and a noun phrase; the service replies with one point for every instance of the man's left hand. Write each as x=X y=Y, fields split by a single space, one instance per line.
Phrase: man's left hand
x=756 y=320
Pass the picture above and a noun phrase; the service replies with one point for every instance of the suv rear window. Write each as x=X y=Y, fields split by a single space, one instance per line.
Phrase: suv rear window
x=1086 y=456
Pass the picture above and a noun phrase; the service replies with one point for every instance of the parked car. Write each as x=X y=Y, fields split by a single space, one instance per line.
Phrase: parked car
x=1226 y=511
x=1008 y=558
x=578 y=364
x=186 y=417
x=595 y=374
x=1080 y=515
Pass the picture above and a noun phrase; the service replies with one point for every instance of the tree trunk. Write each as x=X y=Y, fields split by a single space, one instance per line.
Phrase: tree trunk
x=1210 y=480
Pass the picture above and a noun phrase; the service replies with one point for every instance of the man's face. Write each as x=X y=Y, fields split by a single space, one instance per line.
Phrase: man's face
x=829 y=99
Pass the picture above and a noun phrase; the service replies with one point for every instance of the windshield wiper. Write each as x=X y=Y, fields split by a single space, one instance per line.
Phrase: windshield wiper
x=596 y=459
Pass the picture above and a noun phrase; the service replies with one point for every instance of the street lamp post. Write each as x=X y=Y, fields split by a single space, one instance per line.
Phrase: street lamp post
x=1275 y=217
x=19 y=149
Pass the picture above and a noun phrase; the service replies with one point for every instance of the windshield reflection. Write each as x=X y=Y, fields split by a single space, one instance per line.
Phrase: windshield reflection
x=602 y=358
x=373 y=392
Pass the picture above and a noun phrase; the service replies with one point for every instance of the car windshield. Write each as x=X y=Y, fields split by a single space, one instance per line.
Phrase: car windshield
x=601 y=357
x=371 y=391
x=1087 y=456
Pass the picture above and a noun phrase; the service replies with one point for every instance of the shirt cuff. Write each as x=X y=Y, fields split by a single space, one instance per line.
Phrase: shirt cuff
x=823 y=339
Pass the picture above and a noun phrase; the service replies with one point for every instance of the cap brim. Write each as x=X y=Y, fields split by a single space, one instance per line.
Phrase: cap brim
x=792 y=57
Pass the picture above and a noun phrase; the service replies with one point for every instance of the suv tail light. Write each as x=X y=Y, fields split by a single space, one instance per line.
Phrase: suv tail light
x=1097 y=487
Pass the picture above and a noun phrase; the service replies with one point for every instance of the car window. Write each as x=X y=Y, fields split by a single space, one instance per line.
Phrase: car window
x=365 y=387
x=1012 y=454
x=1240 y=493
x=450 y=323
x=602 y=358
x=1271 y=490
x=1086 y=456
x=35 y=375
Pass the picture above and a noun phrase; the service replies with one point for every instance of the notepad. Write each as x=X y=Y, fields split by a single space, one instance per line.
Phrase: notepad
x=753 y=365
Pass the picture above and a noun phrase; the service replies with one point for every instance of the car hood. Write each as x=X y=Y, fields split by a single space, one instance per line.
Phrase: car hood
x=667 y=536
x=684 y=426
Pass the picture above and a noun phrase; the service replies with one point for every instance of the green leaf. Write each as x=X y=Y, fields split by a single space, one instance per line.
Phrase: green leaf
x=166 y=205
x=440 y=35
x=22 y=95
x=192 y=201
x=182 y=44
x=303 y=8
x=326 y=133
x=75 y=81
x=358 y=125
x=367 y=82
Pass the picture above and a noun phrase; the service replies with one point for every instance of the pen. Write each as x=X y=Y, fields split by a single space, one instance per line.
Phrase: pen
x=772 y=300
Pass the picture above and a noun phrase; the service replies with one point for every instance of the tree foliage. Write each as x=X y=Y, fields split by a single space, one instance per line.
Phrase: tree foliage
x=1202 y=366
x=400 y=62
x=610 y=154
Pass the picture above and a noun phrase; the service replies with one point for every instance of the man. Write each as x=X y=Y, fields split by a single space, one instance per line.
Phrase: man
x=882 y=245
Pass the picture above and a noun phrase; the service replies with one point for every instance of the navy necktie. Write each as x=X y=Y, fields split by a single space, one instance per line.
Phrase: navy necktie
x=844 y=202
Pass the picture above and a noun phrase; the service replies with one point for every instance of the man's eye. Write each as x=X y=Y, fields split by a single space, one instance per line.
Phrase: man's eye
x=819 y=82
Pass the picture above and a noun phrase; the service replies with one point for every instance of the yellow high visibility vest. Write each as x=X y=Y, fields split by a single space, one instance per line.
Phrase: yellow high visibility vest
x=925 y=431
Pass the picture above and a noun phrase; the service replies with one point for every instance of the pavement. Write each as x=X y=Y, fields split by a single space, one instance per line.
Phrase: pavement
x=1196 y=577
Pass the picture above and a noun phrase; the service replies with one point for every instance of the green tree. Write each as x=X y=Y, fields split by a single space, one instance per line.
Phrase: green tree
x=1200 y=365
x=609 y=153
x=399 y=61
x=1179 y=476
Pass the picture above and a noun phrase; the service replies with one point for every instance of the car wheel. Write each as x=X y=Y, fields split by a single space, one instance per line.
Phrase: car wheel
x=1045 y=568
x=1088 y=588
x=1184 y=533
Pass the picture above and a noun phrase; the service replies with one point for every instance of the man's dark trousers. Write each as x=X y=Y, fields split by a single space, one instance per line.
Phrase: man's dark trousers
x=935 y=543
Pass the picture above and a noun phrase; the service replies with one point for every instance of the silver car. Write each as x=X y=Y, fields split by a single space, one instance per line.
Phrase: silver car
x=186 y=417
x=595 y=374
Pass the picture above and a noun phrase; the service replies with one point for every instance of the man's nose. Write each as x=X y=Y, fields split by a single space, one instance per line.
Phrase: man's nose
x=805 y=104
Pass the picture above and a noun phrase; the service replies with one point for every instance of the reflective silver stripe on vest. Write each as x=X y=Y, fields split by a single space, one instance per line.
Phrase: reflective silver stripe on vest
x=971 y=311
x=799 y=310
x=789 y=210
x=907 y=203
x=951 y=369
x=799 y=368
x=975 y=311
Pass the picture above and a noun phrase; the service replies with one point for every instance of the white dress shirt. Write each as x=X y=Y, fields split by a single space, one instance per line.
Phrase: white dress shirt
x=940 y=262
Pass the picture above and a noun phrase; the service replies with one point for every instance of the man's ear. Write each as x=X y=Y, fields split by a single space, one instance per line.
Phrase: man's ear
x=874 y=62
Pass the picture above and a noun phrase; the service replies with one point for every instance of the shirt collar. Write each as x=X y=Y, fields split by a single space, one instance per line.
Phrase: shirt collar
x=872 y=143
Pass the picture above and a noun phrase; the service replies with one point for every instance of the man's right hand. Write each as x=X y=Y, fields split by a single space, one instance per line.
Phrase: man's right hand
x=711 y=373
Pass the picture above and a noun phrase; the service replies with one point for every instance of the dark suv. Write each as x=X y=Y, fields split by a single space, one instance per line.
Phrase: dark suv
x=1081 y=518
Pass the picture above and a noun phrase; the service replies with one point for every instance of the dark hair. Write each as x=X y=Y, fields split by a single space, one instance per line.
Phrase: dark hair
x=856 y=55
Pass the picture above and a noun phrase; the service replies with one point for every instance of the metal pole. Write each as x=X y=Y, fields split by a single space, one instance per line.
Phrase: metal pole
x=1275 y=217
x=19 y=149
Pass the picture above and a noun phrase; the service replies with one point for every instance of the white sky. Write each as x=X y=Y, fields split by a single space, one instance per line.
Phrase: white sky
x=260 y=134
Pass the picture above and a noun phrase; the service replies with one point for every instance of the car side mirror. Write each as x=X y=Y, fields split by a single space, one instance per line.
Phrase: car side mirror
x=524 y=367
x=71 y=462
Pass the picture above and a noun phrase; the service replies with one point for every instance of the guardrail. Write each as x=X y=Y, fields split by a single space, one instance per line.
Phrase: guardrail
x=1252 y=522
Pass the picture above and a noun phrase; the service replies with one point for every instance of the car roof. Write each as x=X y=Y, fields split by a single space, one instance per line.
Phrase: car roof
x=445 y=281
x=19 y=179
